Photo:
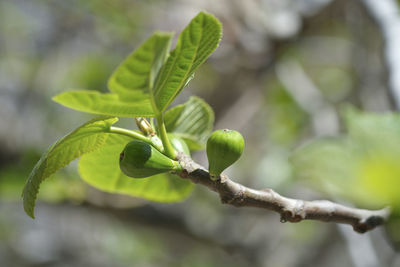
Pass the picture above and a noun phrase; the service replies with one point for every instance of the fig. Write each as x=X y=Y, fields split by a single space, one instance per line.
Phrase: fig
x=140 y=159
x=224 y=147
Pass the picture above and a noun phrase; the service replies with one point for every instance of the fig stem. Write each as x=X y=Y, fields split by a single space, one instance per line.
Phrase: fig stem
x=135 y=135
x=168 y=149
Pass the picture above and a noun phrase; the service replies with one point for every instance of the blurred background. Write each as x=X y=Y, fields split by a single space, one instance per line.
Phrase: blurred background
x=281 y=76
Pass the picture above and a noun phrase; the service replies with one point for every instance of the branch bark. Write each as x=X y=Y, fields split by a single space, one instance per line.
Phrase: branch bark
x=290 y=210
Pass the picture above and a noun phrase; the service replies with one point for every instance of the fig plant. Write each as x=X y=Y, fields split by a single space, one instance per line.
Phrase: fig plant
x=143 y=85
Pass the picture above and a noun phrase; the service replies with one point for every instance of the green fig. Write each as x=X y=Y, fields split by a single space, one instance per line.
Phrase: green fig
x=224 y=147
x=140 y=159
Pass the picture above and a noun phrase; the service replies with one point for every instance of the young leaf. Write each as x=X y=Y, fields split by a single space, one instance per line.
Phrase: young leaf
x=195 y=44
x=101 y=170
x=104 y=104
x=130 y=83
x=134 y=79
x=86 y=138
x=193 y=121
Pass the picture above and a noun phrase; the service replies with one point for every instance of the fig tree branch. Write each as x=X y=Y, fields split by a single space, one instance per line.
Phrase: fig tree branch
x=290 y=210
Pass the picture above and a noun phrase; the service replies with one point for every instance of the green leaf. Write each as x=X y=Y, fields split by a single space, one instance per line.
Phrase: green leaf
x=104 y=104
x=134 y=79
x=88 y=137
x=193 y=121
x=130 y=84
x=362 y=166
x=195 y=44
x=101 y=170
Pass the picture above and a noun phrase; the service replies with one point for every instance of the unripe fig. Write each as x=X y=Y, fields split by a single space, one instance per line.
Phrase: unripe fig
x=224 y=147
x=179 y=144
x=140 y=160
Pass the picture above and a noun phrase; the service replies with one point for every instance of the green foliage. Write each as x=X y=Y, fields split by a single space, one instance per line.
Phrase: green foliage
x=131 y=83
x=84 y=139
x=195 y=44
x=101 y=170
x=104 y=104
x=144 y=85
x=365 y=160
x=192 y=121
x=148 y=80
x=134 y=79
x=64 y=185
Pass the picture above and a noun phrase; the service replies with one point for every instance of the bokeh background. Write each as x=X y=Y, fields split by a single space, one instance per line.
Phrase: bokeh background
x=283 y=72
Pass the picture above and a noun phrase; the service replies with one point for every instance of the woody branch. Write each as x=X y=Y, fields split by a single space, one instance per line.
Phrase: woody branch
x=291 y=210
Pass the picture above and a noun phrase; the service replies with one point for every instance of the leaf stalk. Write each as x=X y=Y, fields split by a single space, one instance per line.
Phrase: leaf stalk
x=135 y=135
x=168 y=149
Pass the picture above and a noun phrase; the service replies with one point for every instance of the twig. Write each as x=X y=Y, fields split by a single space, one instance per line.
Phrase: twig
x=291 y=210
